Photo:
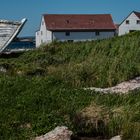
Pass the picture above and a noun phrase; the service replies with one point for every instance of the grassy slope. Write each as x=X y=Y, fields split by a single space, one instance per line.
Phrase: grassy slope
x=37 y=91
x=98 y=63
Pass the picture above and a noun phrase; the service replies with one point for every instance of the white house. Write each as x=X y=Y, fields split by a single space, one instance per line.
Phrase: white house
x=66 y=27
x=130 y=23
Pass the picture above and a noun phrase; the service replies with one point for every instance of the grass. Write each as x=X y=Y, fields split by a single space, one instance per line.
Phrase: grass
x=42 y=89
x=32 y=107
x=111 y=115
x=96 y=63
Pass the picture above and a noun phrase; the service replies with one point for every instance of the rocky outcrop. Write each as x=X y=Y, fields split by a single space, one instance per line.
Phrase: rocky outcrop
x=122 y=88
x=59 y=133
x=116 y=138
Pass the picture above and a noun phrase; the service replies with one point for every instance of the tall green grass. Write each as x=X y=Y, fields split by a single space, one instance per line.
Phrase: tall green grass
x=42 y=89
x=110 y=115
x=99 y=63
x=34 y=106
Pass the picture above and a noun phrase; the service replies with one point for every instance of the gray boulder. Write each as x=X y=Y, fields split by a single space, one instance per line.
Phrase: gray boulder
x=116 y=138
x=59 y=133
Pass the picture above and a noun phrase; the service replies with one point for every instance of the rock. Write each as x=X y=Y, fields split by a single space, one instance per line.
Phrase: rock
x=59 y=133
x=116 y=138
x=19 y=72
x=122 y=88
x=2 y=69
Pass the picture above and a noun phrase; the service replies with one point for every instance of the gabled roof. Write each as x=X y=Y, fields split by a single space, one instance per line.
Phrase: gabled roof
x=56 y=22
x=137 y=14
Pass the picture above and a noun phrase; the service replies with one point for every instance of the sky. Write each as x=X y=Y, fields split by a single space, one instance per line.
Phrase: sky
x=33 y=10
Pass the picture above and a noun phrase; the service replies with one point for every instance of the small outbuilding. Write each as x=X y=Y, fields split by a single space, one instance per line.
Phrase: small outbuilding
x=130 y=24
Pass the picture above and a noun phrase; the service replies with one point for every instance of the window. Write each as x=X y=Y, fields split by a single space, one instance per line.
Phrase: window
x=131 y=31
x=97 y=33
x=127 y=21
x=67 y=33
x=70 y=40
x=138 y=21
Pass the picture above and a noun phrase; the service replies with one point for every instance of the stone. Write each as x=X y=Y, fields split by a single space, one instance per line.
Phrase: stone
x=122 y=88
x=116 y=138
x=2 y=69
x=59 y=133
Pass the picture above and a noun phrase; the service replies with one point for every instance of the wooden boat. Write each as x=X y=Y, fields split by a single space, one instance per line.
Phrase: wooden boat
x=8 y=31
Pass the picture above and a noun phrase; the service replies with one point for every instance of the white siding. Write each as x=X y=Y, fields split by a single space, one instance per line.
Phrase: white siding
x=38 y=40
x=125 y=28
x=43 y=36
x=81 y=36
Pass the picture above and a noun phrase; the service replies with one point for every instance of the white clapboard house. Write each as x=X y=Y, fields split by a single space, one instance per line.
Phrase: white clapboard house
x=76 y=27
x=130 y=23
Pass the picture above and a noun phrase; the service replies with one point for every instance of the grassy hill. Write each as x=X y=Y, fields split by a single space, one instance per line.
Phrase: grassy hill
x=42 y=89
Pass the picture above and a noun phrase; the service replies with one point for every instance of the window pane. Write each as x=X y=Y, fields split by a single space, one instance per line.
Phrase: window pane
x=127 y=21
x=97 y=33
x=138 y=21
x=67 y=33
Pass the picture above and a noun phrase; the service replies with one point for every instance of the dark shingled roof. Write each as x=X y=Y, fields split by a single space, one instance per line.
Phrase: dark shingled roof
x=137 y=14
x=56 y=22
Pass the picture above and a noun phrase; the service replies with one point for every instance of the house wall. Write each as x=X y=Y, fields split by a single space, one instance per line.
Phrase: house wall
x=82 y=36
x=37 y=39
x=125 y=28
x=43 y=36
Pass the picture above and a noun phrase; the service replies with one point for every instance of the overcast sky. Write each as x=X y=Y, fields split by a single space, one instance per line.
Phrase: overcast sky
x=33 y=9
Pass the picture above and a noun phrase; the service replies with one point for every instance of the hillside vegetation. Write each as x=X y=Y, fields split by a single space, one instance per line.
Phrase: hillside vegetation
x=42 y=89
x=98 y=63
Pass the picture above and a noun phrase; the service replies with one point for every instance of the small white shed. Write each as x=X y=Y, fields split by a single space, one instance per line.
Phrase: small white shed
x=130 y=23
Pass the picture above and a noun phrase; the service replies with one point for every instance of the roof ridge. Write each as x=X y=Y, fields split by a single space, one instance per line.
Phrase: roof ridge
x=136 y=12
x=75 y=14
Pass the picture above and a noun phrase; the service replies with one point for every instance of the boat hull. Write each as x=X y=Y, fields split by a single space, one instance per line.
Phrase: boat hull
x=8 y=31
